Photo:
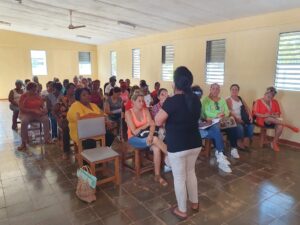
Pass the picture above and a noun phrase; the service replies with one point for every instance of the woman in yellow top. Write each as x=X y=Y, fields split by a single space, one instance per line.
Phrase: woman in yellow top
x=83 y=107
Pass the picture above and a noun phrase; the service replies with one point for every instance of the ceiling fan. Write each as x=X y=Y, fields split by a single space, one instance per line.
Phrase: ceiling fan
x=71 y=26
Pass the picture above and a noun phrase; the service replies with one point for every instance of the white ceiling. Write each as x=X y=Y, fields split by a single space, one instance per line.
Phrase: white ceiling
x=51 y=17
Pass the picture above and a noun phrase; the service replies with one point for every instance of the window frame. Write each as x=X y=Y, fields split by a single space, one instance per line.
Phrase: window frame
x=111 y=63
x=133 y=63
x=206 y=62
x=293 y=89
x=45 y=63
x=163 y=62
x=90 y=64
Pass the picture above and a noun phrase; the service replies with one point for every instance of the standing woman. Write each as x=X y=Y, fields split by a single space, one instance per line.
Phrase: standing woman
x=181 y=113
x=14 y=98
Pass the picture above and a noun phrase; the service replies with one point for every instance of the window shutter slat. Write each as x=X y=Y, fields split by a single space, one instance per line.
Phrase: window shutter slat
x=85 y=67
x=215 y=57
x=113 y=63
x=288 y=62
x=136 y=63
x=167 y=62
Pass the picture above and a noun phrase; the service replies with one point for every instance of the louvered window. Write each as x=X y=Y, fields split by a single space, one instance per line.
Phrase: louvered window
x=38 y=62
x=215 y=60
x=288 y=62
x=85 y=67
x=113 y=63
x=136 y=63
x=167 y=62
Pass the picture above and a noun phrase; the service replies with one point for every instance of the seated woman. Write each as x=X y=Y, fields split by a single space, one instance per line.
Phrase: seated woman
x=138 y=118
x=51 y=100
x=213 y=132
x=14 y=98
x=97 y=94
x=113 y=108
x=267 y=112
x=162 y=95
x=235 y=104
x=60 y=111
x=124 y=93
x=83 y=107
x=32 y=109
x=213 y=107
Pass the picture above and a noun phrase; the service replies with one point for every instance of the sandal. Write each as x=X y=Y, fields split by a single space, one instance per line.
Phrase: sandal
x=195 y=209
x=160 y=180
x=175 y=210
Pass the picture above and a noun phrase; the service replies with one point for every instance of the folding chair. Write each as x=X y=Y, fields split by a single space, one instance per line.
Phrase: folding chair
x=93 y=127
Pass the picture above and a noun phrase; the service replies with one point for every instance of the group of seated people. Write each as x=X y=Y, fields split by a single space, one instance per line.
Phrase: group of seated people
x=136 y=108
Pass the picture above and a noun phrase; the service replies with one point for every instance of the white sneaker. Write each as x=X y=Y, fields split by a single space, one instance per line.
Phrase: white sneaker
x=225 y=167
x=234 y=153
x=221 y=158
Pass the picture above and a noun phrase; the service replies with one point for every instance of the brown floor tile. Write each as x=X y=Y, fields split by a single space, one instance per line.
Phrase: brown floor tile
x=157 y=205
x=119 y=218
x=137 y=213
x=149 y=221
x=83 y=216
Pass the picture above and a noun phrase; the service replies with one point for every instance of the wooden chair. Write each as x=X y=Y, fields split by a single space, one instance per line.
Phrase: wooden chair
x=138 y=161
x=206 y=151
x=93 y=127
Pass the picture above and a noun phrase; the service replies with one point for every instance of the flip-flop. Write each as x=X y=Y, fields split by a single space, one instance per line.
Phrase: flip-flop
x=181 y=218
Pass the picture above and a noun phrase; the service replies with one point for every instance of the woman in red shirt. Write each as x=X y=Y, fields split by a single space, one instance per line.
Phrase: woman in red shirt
x=267 y=112
x=32 y=109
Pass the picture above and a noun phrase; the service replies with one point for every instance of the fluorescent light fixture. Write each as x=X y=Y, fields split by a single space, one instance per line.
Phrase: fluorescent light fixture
x=127 y=24
x=5 y=23
x=83 y=36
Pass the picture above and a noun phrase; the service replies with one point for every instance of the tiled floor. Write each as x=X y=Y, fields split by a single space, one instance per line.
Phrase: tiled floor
x=39 y=188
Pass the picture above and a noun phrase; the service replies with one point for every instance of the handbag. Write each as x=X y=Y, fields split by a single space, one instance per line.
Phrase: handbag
x=244 y=113
x=86 y=185
x=227 y=122
x=145 y=132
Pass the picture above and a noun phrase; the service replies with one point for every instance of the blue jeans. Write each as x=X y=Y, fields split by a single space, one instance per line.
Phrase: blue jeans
x=245 y=130
x=138 y=142
x=233 y=136
x=215 y=134
x=53 y=125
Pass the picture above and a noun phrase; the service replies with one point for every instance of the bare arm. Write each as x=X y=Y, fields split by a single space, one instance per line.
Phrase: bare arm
x=161 y=117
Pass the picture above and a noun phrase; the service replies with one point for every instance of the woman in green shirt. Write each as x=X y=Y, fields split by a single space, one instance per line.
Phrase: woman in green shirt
x=213 y=107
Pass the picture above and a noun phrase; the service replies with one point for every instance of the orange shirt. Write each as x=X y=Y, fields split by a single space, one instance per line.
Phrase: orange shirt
x=261 y=108
x=32 y=102
x=136 y=122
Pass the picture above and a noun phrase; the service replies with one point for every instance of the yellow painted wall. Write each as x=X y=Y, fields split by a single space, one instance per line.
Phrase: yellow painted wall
x=251 y=48
x=62 y=58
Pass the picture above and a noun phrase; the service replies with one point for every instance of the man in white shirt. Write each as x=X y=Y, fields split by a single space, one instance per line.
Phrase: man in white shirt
x=111 y=85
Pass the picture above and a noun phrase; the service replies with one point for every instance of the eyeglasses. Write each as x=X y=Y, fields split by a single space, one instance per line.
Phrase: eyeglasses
x=217 y=106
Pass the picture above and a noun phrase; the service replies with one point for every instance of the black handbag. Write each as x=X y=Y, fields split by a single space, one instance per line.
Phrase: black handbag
x=244 y=113
x=145 y=132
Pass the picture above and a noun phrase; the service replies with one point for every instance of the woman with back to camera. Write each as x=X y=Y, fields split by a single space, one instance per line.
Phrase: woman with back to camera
x=181 y=113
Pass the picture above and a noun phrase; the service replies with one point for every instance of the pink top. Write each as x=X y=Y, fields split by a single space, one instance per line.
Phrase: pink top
x=136 y=122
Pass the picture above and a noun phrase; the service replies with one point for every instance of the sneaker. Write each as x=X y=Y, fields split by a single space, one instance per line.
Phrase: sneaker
x=234 y=153
x=224 y=167
x=221 y=158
